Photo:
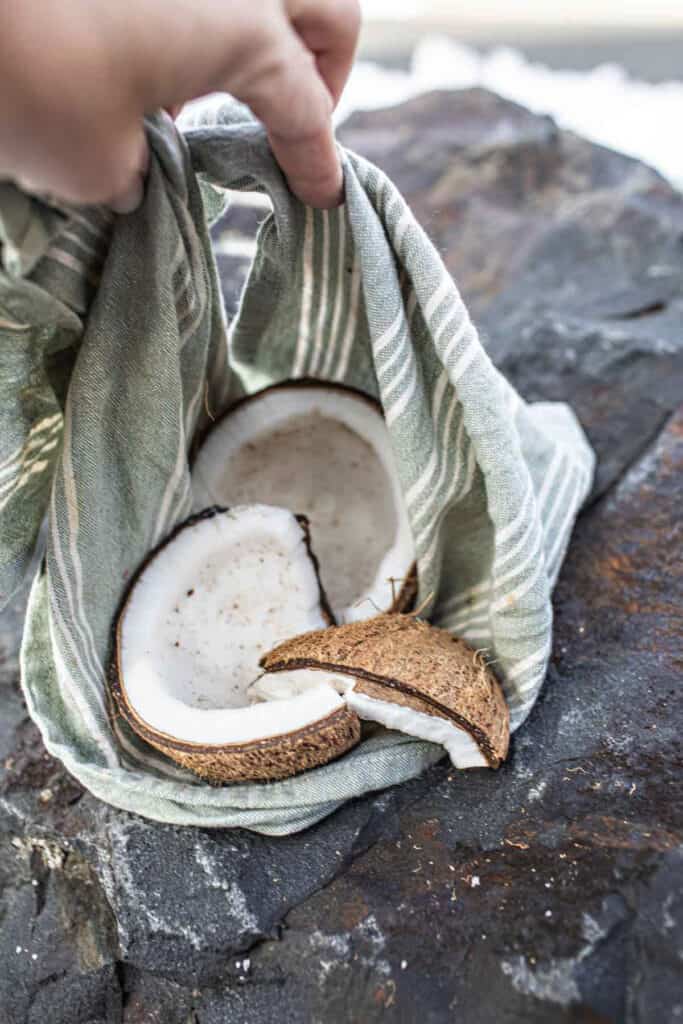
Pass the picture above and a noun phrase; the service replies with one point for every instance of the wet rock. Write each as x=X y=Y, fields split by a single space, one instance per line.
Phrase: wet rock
x=550 y=890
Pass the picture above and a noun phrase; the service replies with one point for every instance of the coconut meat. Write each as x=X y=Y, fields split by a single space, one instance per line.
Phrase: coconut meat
x=208 y=604
x=462 y=749
x=459 y=744
x=324 y=452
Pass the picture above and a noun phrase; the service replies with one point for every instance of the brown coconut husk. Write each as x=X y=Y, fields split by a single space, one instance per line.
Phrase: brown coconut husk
x=400 y=659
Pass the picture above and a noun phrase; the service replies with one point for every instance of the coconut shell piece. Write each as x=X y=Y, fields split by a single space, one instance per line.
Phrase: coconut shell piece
x=266 y=760
x=187 y=640
x=402 y=661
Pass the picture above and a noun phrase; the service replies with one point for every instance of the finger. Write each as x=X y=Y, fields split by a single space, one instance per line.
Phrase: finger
x=329 y=28
x=130 y=198
x=134 y=156
x=311 y=166
x=129 y=163
x=295 y=106
x=98 y=166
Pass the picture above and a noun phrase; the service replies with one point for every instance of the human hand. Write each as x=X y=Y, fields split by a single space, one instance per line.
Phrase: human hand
x=77 y=77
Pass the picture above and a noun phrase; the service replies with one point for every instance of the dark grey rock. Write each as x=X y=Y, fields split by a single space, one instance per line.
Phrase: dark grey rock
x=554 y=888
x=550 y=890
x=58 y=939
x=148 y=999
x=188 y=900
x=569 y=255
x=657 y=938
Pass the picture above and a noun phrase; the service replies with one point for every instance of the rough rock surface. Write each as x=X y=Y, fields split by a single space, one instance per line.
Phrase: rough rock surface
x=550 y=890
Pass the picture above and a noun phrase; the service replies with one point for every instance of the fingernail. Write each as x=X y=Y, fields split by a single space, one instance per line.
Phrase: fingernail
x=131 y=198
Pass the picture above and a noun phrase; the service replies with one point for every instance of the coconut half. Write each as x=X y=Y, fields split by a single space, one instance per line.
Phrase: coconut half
x=324 y=451
x=406 y=675
x=198 y=616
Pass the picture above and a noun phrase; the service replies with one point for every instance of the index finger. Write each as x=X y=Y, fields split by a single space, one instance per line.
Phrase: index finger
x=295 y=105
x=329 y=28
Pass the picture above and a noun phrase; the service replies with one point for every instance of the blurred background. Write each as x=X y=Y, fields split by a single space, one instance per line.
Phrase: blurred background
x=609 y=69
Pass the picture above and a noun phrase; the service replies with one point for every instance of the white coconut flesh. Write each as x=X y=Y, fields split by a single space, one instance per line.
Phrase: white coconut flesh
x=205 y=608
x=323 y=452
x=459 y=744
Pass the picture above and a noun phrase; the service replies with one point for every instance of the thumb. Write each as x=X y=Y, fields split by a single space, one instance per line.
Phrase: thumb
x=131 y=163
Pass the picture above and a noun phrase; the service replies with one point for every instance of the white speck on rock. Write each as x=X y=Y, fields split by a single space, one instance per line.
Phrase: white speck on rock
x=53 y=855
x=475 y=882
x=235 y=897
x=325 y=968
x=364 y=943
x=339 y=944
x=592 y=931
x=668 y=920
x=554 y=982
x=370 y=930
x=160 y=924
x=238 y=908
x=536 y=792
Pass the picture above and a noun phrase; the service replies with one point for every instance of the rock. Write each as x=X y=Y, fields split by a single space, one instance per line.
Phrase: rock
x=570 y=256
x=152 y=1000
x=550 y=890
x=216 y=893
x=58 y=938
x=554 y=887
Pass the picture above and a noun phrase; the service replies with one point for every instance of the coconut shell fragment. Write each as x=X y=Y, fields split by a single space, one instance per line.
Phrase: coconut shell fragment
x=226 y=585
x=410 y=672
x=265 y=760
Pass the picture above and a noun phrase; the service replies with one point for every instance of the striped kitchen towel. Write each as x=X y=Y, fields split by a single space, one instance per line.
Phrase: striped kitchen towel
x=114 y=351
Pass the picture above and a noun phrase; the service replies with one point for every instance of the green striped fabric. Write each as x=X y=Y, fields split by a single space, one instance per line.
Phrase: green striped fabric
x=114 y=353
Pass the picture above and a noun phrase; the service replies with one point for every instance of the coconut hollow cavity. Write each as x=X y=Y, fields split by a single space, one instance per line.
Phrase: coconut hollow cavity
x=406 y=675
x=222 y=590
x=324 y=451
